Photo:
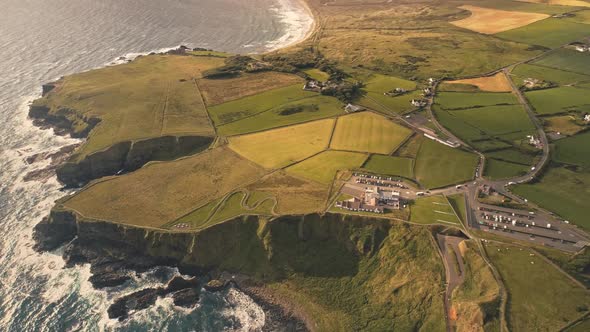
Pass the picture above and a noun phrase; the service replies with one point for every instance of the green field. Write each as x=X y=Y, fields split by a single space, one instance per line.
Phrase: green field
x=322 y=168
x=574 y=150
x=566 y=59
x=549 y=32
x=506 y=123
x=458 y=203
x=513 y=156
x=464 y=100
x=562 y=191
x=387 y=165
x=497 y=169
x=317 y=74
x=303 y=110
x=368 y=132
x=283 y=146
x=389 y=105
x=252 y=105
x=232 y=207
x=582 y=16
x=559 y=100
x=438 y=165
x=548 y=74
x=540 y=298
x=433 y=210
x=151 y=97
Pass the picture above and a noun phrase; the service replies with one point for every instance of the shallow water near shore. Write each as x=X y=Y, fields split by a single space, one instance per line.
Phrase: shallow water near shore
x=43 y=40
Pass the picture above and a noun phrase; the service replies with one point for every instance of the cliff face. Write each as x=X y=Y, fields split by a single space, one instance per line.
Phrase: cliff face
x=121 y=157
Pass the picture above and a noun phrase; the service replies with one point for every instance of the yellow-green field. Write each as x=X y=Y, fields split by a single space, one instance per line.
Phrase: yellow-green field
x=323 y=167
x=368 y=132
x=162 y=192
x=283 y=146
x=433 y=210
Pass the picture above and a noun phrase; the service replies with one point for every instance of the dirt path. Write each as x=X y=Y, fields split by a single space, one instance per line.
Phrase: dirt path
x=454 y=270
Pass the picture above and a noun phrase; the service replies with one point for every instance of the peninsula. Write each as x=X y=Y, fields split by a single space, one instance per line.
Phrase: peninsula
x=409 y=166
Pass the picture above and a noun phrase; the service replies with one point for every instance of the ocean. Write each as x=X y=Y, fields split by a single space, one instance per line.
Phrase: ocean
x=39 y=42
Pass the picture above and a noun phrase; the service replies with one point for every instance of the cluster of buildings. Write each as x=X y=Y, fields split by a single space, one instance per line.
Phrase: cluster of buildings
x=535 y=141
x=373 y=199
x=580 y=47
x=317 y=86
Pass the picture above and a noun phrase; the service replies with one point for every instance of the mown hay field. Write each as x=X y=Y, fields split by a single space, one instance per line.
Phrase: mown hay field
x=368 y=132
x=302 y=110
x=559 y=100
x=252 y=105
x=541 y=298
x=495 y=83
x=551 y=32
x=388 y=165
x=294 y=195
x=162 y=192
x=491 y=21
x=433 y=210
x=323 y=167
x=152 y=96
x=219 y=91
x=280 y=147
x=438 y=165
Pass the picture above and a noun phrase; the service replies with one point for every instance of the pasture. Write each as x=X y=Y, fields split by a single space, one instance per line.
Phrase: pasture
x=150 y=97
x=162 y=192
x=388 y=104
x=252 y=105
x=438 y=165
x=497 y=169
x=433 y=210
x=281 y=147
x=560 y=77
x=323 y=167
x=541 y=298
x=491 y=21
x=368 y=132
x=463 y=100
x=566 y=59
x=550 y=32
x=564 y=124
x=494 y=83
x=317 y=74
x=562 y=191
x=574 y=150
x=302 y=110
x=559 y=100
x=219 y=91
x=387 y=165
x=512 y=155
x=294 y=195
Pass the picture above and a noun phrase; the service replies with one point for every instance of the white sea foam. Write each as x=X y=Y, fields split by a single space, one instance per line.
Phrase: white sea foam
x=298 y=22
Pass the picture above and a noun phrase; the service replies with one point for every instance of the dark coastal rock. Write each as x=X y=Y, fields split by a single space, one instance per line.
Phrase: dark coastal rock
x=56 y=159
x=187 y=298
x=215 y=285
x=178 y=283
x=53 y=231
x=139 y=300
x=108 y=279
x=46 y=88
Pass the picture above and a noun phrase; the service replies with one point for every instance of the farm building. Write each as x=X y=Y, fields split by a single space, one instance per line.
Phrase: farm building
x=350 y=108
x=419 y=102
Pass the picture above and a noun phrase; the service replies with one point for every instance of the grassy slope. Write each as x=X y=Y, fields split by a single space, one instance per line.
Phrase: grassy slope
x=540 y=297
x=394 y=284
x=150 y=97
x=458 y=203
x=438 y=165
